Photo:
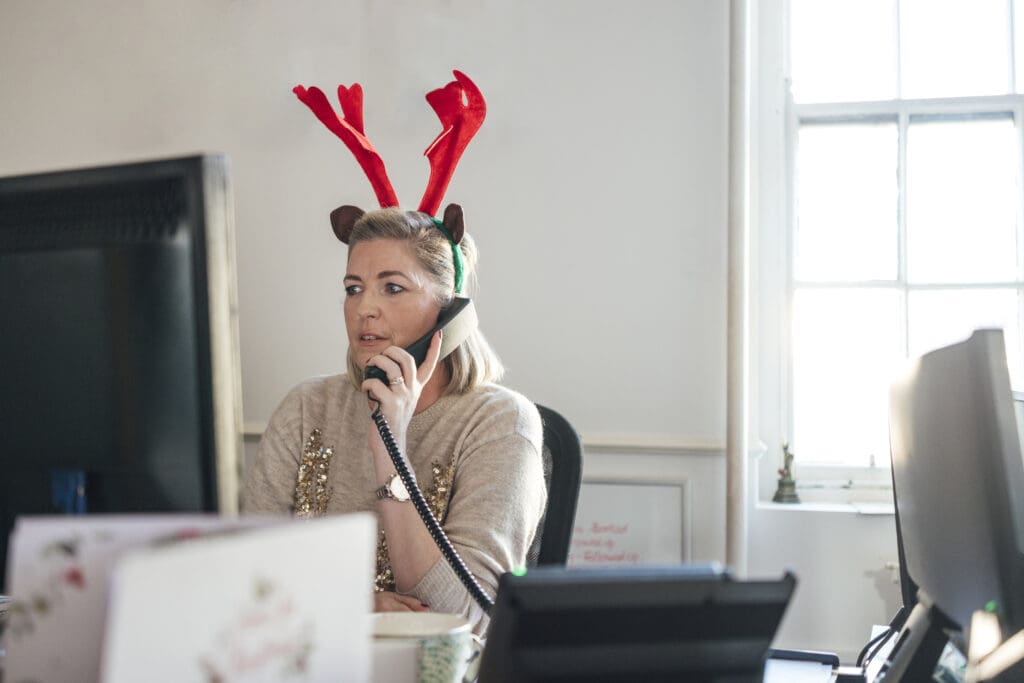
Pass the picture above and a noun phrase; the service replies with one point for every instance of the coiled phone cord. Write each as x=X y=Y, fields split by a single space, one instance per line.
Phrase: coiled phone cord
x=436 y=532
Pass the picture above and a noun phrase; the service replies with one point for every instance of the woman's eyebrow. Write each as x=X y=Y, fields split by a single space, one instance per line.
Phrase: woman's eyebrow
x=382 y=275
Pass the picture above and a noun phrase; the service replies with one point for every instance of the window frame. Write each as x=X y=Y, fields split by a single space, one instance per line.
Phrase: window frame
x=775 y=114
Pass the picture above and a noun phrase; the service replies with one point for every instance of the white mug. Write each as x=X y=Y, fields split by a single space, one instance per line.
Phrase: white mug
x=428 y=647
x=5 y=604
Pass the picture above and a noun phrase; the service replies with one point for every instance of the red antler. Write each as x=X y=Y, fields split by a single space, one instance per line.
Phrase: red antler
x=461 y=108
x=350 y=130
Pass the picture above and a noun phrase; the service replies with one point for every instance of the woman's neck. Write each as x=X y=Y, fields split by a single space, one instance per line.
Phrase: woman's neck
x=434 y=388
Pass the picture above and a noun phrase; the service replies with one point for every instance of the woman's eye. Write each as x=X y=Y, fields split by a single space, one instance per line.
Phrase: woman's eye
x=352 y=290
x=393 y=288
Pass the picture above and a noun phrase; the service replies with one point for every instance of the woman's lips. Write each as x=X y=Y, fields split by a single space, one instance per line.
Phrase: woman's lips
x=371 y=340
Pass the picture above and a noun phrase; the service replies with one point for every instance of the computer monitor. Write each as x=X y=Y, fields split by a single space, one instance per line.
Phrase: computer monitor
x=958 y=477
x=691 y=623
x=873 y=655
x=120 y=387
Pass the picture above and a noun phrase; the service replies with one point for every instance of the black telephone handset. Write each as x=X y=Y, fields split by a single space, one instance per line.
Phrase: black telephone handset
x=458 y=320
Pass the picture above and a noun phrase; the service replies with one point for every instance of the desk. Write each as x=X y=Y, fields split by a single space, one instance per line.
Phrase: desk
x=393 y=663
x=398 y=665
x=785 y=671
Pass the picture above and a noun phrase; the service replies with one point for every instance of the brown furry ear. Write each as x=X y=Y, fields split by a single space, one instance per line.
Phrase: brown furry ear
x=454 y=222
x=343 y=219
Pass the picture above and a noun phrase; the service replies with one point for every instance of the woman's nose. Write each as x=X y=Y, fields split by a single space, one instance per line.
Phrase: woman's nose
x=368 y=307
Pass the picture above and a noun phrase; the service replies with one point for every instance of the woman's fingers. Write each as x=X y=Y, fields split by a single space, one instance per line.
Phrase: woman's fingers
x=393 y=602
x=388 y=364
x=400 y=393
x=397 y=362
x=405 y=366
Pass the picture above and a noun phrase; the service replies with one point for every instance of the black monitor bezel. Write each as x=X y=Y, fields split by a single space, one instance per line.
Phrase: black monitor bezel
x=205 y=221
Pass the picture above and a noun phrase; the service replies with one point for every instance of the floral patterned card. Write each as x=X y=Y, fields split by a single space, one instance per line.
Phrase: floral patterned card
x=287 y=603
x=58 y=571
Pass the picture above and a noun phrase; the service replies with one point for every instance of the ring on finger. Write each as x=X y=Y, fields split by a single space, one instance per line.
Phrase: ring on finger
x=397 y=380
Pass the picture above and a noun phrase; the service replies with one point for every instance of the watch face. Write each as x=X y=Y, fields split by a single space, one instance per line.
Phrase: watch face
x=397 y=489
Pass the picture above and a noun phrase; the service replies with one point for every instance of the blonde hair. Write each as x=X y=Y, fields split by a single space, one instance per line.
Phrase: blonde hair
x=473 y=362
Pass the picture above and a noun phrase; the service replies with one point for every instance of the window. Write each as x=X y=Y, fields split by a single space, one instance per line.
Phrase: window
x=903 y=227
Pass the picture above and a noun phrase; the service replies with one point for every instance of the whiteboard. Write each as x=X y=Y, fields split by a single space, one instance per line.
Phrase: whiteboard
x=630 y=524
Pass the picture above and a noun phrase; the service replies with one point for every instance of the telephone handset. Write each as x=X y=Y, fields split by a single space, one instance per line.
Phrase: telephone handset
x=458 y=320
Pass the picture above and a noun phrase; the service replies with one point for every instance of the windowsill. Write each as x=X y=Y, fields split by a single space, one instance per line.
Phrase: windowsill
x=828 y=488
x=868 y=509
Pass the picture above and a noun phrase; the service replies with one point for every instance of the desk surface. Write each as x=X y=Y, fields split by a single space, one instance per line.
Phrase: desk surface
x=399 y=666
x=786 y=671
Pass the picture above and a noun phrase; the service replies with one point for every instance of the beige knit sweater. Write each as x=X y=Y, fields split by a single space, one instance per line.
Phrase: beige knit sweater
x=491 y=435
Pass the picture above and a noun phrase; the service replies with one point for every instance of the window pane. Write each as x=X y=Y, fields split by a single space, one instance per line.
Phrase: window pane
x=954 y=48
x=846 y=202
x=847 y=347
x=941 y=317
x=1018 y=43
x=961 y=189
x=843 y=50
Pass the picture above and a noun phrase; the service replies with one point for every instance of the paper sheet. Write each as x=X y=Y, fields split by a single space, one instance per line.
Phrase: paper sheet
x=787 y=671
x=282 y=603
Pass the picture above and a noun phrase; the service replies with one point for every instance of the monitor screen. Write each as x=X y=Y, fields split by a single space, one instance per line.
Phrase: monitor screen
x=958 y=475
x=691 y=623
x=120 y=388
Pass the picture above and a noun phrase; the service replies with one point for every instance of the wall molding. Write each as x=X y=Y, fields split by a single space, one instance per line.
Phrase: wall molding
x=253 y=430
x=615 y=443
x=667 y=444
x=600 y=442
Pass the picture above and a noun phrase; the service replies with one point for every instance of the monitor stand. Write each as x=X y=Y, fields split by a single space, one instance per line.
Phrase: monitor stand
x=919 y=646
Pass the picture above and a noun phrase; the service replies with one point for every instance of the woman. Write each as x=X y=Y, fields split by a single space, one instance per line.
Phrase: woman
x=474 y=446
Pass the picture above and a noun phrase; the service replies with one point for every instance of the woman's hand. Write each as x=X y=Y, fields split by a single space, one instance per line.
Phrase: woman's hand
x=410 y=546
x=394 y=602
x=398 y=398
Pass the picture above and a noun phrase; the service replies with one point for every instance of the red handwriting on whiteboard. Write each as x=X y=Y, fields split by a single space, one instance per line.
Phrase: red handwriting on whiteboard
x=602 y=543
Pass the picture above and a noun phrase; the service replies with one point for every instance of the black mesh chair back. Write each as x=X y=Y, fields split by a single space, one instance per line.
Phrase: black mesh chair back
x=563 y=465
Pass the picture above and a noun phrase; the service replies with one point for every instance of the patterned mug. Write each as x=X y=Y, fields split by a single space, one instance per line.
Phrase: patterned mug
x=428 y=647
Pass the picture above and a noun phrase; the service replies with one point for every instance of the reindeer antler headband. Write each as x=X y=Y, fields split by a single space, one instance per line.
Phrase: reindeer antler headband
x=461 y=108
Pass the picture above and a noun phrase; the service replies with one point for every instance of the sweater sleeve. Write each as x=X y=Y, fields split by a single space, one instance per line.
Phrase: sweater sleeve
x=498 y=498
x=269 y=483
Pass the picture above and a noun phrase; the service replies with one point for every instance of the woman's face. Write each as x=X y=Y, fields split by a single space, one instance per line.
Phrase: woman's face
x=389 y=298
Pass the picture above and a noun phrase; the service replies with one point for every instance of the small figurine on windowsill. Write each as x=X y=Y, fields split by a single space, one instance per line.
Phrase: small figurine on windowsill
x=786 y=493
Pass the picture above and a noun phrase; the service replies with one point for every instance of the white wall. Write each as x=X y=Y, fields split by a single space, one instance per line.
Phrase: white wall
x=846 y=579
x=596 y=189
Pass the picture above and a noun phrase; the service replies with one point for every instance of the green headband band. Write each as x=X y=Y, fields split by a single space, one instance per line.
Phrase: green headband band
x=456 y=255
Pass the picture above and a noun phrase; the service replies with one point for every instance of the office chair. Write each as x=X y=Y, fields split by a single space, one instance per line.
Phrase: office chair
x=563 y=465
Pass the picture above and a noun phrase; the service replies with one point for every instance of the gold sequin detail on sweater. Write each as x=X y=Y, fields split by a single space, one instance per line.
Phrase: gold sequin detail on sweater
x=311 y=490
x=437 y=494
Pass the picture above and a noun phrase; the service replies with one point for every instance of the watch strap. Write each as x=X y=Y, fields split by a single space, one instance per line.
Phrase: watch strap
x=384 y=492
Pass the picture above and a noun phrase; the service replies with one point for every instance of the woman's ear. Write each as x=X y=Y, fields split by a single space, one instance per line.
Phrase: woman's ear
x=344 y=218
x=454 y=222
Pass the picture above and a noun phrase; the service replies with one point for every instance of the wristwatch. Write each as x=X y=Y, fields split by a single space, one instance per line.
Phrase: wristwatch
x=393 y=489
